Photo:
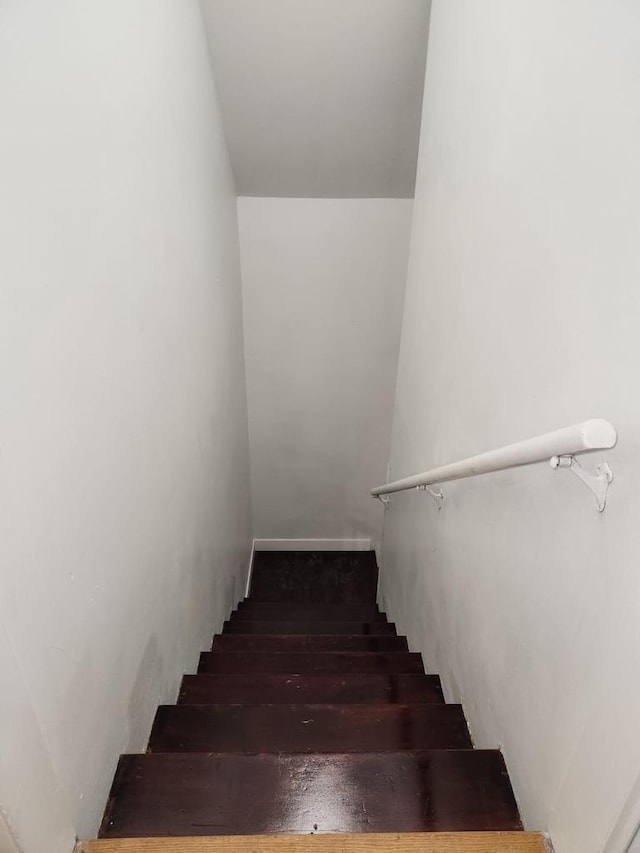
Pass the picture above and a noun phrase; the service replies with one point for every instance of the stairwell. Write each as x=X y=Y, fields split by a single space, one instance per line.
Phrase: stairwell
x=310 y=725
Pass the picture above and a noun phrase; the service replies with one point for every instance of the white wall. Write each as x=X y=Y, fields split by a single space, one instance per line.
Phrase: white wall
x=323 y=286
x=523 y=303
x=124 y=506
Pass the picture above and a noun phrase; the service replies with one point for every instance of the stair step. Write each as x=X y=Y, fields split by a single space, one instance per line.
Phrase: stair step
x=310 y=662
x=219 y=794
x=347 y=577
x=262 y=688
x=406 y=842
x=300 y=627
x=309 y=620
x=316 y=612
x=308 y=643
x=307 y=728
x=251 y=600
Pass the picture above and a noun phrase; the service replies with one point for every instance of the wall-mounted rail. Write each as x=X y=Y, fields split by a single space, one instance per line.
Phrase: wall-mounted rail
x=559 y=447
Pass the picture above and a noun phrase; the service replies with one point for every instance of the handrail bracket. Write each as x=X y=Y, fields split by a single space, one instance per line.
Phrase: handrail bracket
x=437 y=496
x=597 y=483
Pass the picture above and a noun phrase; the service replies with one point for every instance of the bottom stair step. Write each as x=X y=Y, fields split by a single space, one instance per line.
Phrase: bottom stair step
x=307 y=728
x=261 y=688
x=221 y=794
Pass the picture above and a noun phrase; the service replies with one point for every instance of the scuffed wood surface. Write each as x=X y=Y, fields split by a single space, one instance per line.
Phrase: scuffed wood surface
x=437 y=842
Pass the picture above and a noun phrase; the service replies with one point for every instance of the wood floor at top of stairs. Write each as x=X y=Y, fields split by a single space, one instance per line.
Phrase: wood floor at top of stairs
x=436 y=842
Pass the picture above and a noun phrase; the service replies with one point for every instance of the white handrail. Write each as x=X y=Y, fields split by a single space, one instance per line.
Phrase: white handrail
x=595 y=434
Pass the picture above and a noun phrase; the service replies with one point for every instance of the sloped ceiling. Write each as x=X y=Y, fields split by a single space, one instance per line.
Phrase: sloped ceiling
x=320 y=98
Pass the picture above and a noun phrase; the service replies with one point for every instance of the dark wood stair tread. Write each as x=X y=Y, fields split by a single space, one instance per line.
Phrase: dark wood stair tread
x=293 y=614
x=302 y=606
x=311 y=662
x=309 y=643
x=261 y=688
x=217 y=794
x=359 y=612
x=300 y=627
x=307 y=728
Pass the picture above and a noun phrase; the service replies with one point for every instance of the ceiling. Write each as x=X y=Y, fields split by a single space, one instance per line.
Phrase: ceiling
x=320 y=98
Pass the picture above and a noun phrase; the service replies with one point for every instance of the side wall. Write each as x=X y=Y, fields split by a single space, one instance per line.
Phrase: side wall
x=124 y=505
x=522 y=315
x=323 y=287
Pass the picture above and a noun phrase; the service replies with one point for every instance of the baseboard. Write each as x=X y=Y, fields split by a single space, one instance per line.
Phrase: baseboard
x=250 y=572
x=312 y=544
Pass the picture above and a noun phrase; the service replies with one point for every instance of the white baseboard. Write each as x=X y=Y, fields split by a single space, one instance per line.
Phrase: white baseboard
x=312 y=544
x=250 y=572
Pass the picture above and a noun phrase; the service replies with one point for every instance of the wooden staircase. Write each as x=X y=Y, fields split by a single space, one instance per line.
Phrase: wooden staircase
x=310 y=726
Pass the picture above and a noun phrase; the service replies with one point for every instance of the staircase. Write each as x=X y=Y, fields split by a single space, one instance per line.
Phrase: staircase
x=310 y=716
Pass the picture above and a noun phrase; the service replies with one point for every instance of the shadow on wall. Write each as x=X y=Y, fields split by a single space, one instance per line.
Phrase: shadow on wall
x=144 y=695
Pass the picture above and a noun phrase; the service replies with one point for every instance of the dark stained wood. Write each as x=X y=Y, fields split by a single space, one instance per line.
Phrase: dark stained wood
x=309 y=715
x=272 y=627
x=213 y=794
x=307 y=728
x=345 y=577
x=308 y=643
x=288 y=689
x=309 y=605
x=293 y=614
x=310 y=662
x=304 y=610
